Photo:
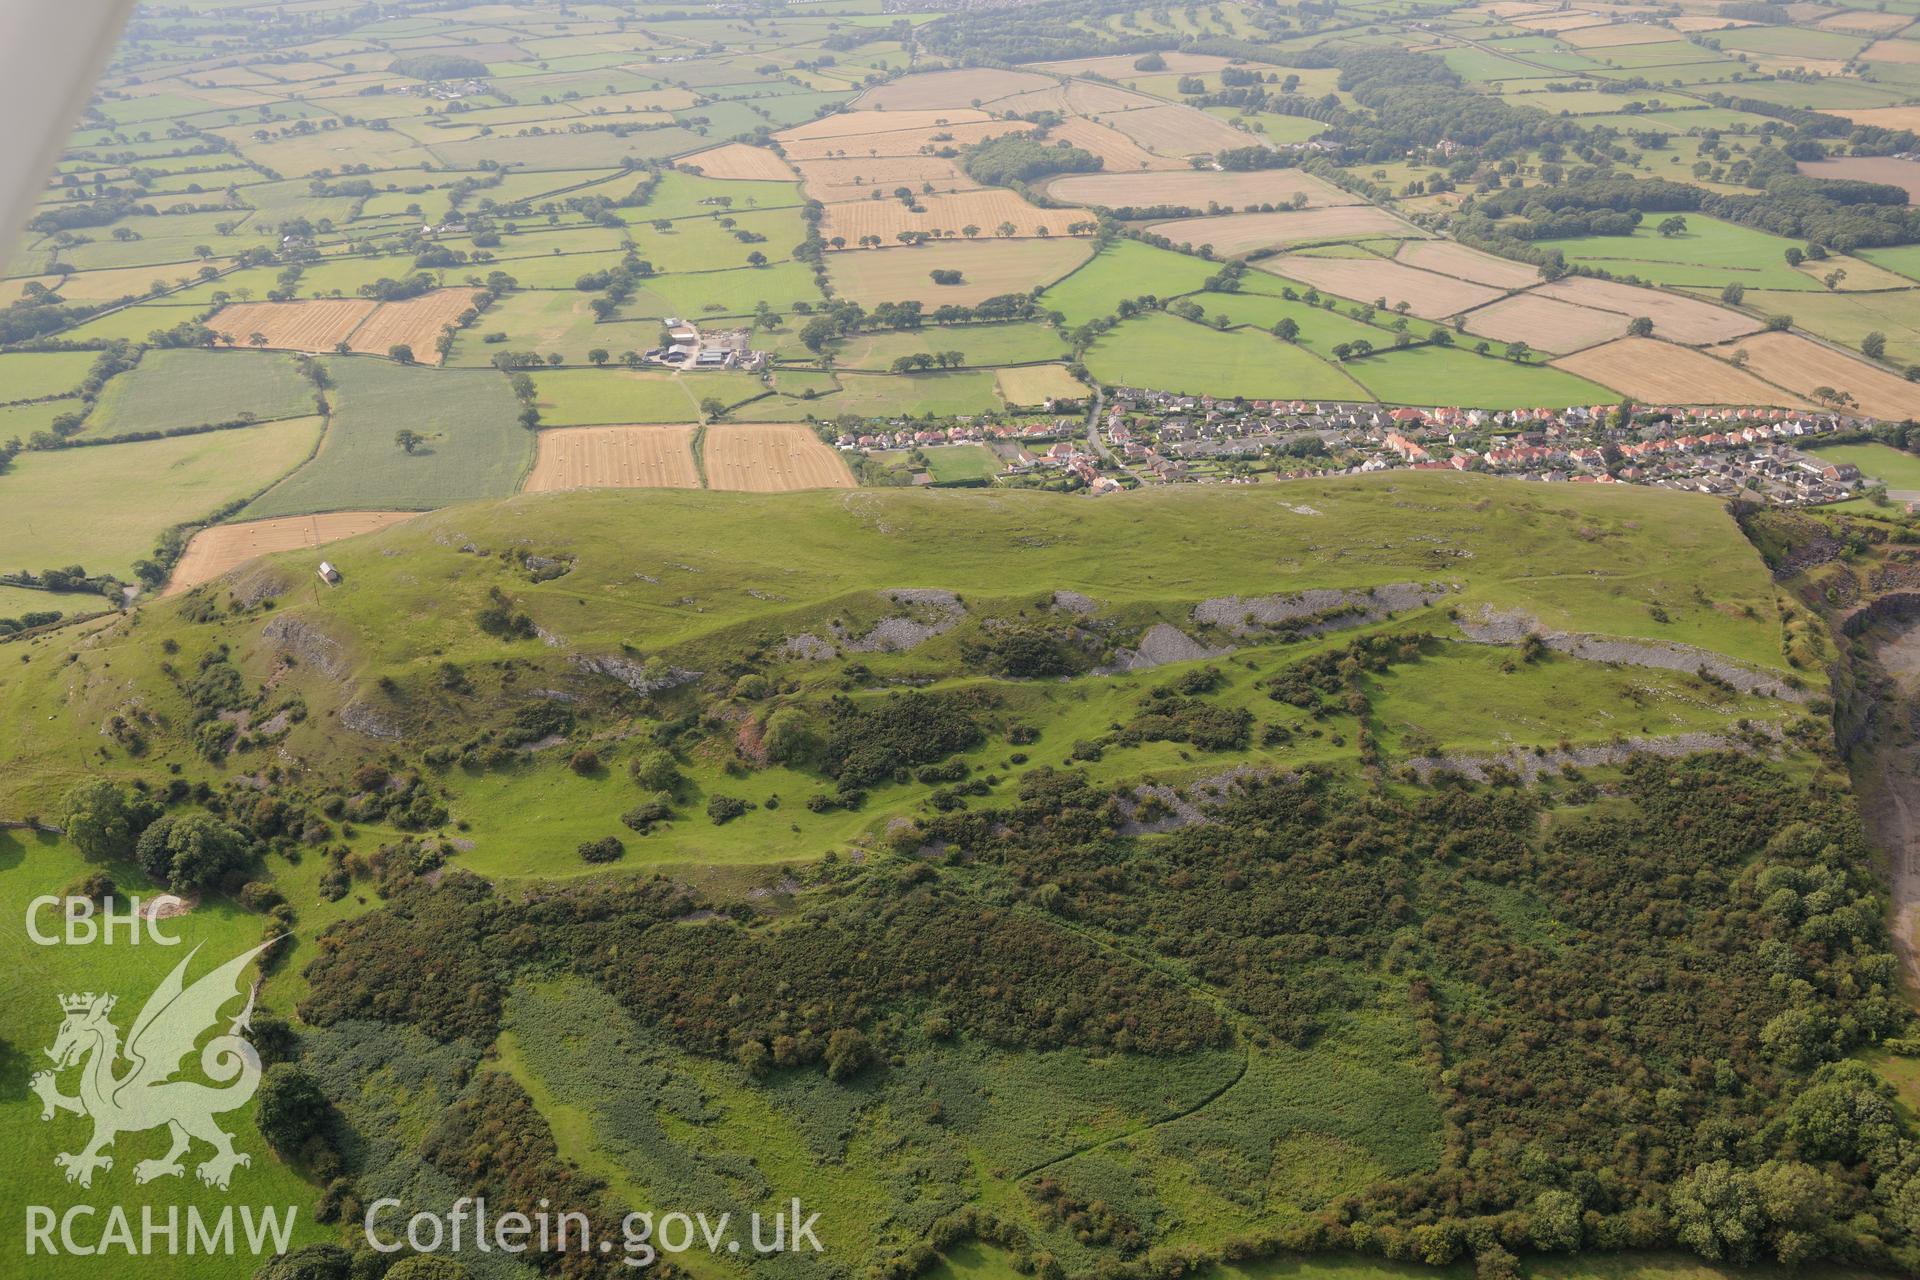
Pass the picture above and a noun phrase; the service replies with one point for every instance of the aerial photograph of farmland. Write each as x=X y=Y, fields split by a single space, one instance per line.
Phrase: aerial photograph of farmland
x=960 y=640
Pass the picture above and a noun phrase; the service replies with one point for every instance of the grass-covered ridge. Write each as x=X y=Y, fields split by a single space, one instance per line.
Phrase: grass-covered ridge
x=1076 y=955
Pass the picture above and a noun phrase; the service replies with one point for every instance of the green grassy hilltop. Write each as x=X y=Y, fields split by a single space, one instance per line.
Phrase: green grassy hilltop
x=1048 y=883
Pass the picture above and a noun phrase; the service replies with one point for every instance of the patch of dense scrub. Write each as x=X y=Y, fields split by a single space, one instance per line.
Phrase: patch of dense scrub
x=1633 y=1024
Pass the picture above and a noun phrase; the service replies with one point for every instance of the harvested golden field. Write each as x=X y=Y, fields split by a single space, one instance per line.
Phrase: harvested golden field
x=1505 y=9
x=614 y=458
x=319 y=325
x=1426 y=293
x=1701 y=22
x=988 y=267
x=985 y=209
x=1052 y=98
x=1899 y=173
x=297 y=155
x=1237 y=233
x=1675 y=318
x=936 y=89
x=1804 y=366
x=14 y=288
x=1906 y=52
x=1614 y=35
x=901 y=142
x=1171 y=130
x=220 y=547
x=117 y=282
x=1033 y=385
x=738 y=161
x=1662 y=373
x=1862 y=276
x=415 y=323
x=1875 y=24
x=1120 y=153
x=1449 y=257
x=1884 y=117
x=1196 y=188
x=1776 y=63
x=856 y=177
x=772 y=458
x=1087 y=98
x=1546 y=323
x=1561 y=21
x=858 y=124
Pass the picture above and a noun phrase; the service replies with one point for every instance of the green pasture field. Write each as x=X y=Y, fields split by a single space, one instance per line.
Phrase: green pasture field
x=1685 y=60
x=569 y=397
x=885 y=395
x=35 y=375
x=1675 y=122
x=21 y=421
x=1796 y=41
x=790 y=108
x=1579 y=102
x=797 y=382
x=568 y=150
x=515 y=188
x=69 y=506
x=343 y=275
x=981 y=344
x=1430 y=375
x=170 y=256
x=1904 y=259
x=544 y=321
x=132 y=323
x=1124 y=269
x=1168 y=354
x=256 y=281
x=699 y=294
x=185 y=388
x=1481 y=66
x=1892 y=467
x=550 y=270
x=475 y=446
x=1320 y=328
x=680 y=195
x=948 y=462
x=1823 y=94
x=1708 y=253
x=568 y=236
x=702 y=244
x=1846 y=318
x=298 y=155
x=15 y=601
x=962 y=462
x=276 y=201
x=723 y=118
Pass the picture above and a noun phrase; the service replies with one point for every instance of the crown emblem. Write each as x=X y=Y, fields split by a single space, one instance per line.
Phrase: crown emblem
x=82 y=1003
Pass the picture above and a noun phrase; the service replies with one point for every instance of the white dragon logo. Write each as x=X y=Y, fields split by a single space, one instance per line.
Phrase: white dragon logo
x=146 y=1095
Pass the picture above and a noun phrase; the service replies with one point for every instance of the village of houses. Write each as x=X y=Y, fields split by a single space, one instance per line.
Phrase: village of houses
x=1137 y=437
